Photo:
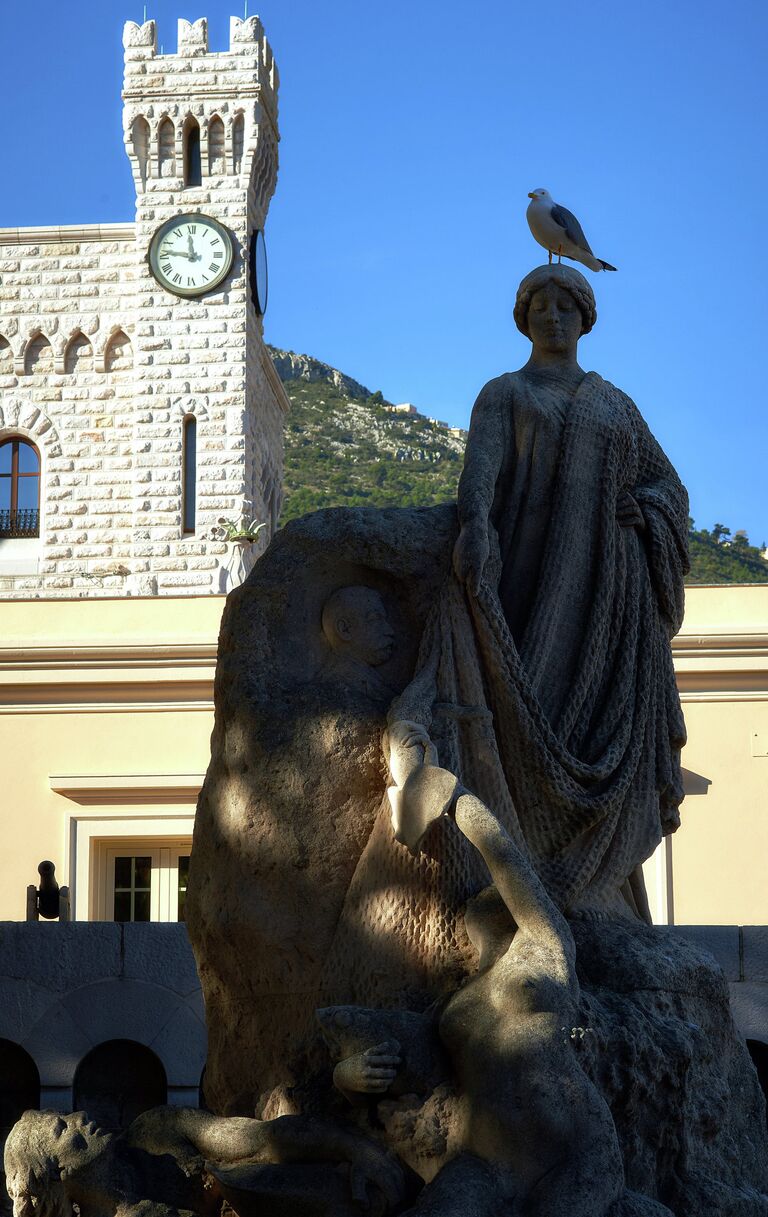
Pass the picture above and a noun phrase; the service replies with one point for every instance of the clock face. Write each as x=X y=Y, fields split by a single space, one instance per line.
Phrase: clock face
x=259 y=277
x=191 y=255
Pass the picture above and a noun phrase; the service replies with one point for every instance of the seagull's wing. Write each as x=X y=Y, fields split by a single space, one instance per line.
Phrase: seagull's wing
x=573 y=230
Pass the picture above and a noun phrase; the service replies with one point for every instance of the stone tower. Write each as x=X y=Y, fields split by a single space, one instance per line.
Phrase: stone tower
x=201 y=133
x=133 y=418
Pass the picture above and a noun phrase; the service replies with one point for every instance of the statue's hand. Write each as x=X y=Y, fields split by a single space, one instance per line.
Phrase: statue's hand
x=470 y=554
x=369 y=1072
x=628 y=512
x=376 y=1178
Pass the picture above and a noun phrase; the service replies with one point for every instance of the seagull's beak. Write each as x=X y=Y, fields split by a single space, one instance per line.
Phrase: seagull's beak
x=531 y=194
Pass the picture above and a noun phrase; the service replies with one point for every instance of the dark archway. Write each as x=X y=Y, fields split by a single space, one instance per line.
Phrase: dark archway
x=759 y=1053
x=19 y=1092
x=117 y=1081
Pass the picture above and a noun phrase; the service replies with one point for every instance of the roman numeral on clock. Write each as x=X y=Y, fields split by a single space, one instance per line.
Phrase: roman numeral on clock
x=214 y=266
x=192 y=227
x=177 y=278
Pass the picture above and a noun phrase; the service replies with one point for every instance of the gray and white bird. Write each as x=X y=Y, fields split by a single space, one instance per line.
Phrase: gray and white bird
x=558 y=230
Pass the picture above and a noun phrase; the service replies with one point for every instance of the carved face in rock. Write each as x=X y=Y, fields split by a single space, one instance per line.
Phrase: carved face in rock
x=356 y=626
x=554 y=320
x=45 y=1148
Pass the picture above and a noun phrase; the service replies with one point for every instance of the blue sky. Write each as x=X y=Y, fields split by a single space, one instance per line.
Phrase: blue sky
x=411 y=134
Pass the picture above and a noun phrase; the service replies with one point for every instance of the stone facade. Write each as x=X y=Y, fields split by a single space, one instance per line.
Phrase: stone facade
x=100 y=366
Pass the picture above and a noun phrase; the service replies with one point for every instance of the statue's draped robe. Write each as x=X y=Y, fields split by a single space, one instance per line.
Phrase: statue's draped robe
x=551 y=694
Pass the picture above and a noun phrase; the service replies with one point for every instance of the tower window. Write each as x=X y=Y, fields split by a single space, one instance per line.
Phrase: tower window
x=193 y=168
x=189 y=473
x=19 y=489
x=166 y=148
x=238 y=139
x=216 y=158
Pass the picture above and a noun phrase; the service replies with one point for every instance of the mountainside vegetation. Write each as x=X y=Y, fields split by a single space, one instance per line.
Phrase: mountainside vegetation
x=346 y=446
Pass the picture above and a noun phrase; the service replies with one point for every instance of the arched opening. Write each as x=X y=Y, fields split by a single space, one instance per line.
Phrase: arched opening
x=118 y=356
x=6 y=356
x=78 y=356
x=759 y=1053
x=38 y=356
x=238 y=140
x=117 y=1081
x=140 y=137
x=19 y=488
x=166 y=149
x=19 y=1092
x=217 y=161
x=193 y=166
x=189 y=474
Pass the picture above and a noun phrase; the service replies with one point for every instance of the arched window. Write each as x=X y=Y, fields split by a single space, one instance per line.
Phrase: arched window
x=19 y=488
x=189 y=474
x=140 y=134
x=238 y=136
x=117 y=1081
x=166 y=148
x=216 y=159
x=193 y=167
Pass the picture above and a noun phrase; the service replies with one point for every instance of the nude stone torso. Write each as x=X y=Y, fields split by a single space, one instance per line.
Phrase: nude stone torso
x=504 y=1031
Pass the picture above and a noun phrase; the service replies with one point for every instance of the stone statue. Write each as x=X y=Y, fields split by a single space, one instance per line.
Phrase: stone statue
x=529 y=1112
x=533 y=1047
x=176 y=1160
x=572 y=548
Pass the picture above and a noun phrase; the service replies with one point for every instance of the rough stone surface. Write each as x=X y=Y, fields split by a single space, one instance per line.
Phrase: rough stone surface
x=296 y=780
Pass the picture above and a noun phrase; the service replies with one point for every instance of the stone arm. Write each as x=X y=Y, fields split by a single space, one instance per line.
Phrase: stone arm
x=286 y=1140
x=477 y=486
x=482 y=457
x=663 y=501
x=532 y=909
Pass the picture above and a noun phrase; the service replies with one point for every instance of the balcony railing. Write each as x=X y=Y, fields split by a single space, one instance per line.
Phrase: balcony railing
x=22 y=523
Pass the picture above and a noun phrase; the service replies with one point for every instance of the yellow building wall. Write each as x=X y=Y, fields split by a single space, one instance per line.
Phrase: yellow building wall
x=718 y=856
x=115 y=693
x=106 y=710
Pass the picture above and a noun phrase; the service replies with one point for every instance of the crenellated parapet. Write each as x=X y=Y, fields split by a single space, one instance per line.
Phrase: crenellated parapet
x=225 y=99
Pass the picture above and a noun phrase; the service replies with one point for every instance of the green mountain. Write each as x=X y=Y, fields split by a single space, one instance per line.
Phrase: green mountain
x=346 y=446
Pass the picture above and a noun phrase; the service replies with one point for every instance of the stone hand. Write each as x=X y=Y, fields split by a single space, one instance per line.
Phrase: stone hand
x=369 y=1072
x=628 y=512
x=470 y=555
x=376 y=1178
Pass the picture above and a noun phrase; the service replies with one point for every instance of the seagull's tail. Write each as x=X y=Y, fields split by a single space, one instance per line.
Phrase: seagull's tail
x=606 y=265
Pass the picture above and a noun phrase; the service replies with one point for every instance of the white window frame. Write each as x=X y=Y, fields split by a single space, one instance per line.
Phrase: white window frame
x=131 y=825
x=165 y=856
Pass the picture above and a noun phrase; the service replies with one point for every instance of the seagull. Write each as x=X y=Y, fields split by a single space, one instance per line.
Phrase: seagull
x=558 y=230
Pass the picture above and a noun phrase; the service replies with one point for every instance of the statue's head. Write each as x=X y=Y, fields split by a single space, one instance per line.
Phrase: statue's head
x=43 y=1150
x=489 y=925
x=554 y=306
x=356 y=625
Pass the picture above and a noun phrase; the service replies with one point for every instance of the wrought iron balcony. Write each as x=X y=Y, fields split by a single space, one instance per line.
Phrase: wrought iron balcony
x=22 y=523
